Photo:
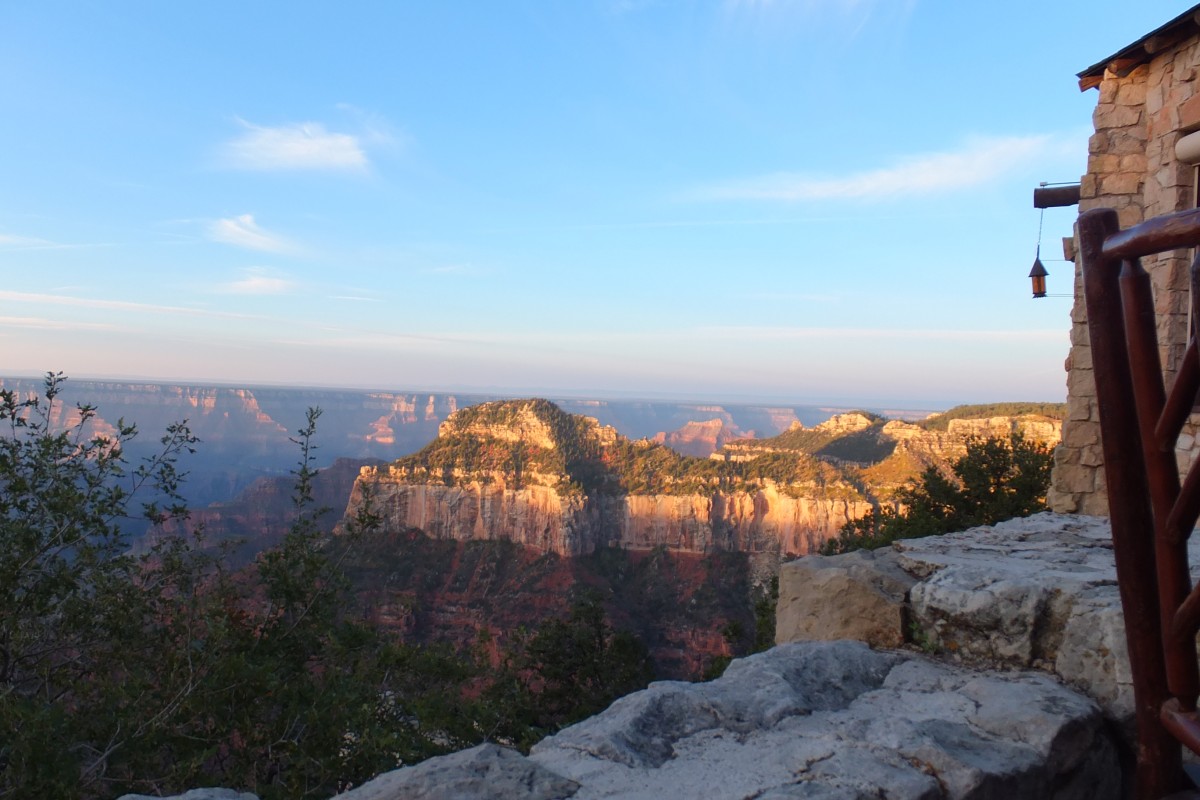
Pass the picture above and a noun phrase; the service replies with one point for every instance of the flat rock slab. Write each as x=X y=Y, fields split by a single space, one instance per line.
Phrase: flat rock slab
x=832 y=720
x=1034 y=592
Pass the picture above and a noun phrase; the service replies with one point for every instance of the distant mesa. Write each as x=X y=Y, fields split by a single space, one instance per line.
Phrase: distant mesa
x=527 y=472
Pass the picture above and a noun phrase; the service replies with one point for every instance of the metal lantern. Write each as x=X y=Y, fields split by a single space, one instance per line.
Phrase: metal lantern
x=1038 y=276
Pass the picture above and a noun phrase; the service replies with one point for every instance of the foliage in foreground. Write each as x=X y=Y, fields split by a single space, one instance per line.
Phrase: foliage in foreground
x=997 y=479
x=165 y=671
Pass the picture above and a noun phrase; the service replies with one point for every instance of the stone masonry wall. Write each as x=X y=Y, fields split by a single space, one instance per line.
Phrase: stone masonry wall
x=1131 y=168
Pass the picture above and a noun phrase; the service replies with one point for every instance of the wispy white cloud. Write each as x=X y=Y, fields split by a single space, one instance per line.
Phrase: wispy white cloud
x=376 y=131
x=881 y=334
x=355 y=298
x=258 y=280
x=115 y=305
x=43 y=324
x=453 y=269
x=298 y=146
x=11 y=242
x=243 y=231
x=7 y=240
x=978 y=162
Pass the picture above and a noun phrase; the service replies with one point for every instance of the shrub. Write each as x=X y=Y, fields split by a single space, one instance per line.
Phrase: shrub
x=997 y=479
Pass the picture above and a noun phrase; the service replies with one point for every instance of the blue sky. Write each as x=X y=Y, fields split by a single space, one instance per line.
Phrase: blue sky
x=768 y=200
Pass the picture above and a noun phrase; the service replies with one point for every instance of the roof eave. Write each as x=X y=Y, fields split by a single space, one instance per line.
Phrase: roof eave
x=1130 y=57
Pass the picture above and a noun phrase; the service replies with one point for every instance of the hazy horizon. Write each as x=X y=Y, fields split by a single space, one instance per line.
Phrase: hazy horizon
x=550 y=393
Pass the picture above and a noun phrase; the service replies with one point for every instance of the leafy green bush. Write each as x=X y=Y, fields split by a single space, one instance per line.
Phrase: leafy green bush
x=566 y=671
x=165 y=671
x=997 y=479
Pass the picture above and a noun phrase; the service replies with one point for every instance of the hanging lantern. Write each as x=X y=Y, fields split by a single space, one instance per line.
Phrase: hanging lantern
x=1038 y=276
x=1038 y=273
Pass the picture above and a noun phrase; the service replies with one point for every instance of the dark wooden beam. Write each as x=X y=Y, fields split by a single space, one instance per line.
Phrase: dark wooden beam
x=1161 y=41
x=1056 y=196
x=1123 y=66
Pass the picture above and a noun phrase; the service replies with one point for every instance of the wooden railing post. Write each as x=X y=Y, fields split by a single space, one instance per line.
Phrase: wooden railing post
x=1159 y=763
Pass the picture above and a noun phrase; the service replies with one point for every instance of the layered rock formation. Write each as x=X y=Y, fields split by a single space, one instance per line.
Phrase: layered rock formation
x=894 y=451
x=540 y=517
x=701 y=438
x=525 y=472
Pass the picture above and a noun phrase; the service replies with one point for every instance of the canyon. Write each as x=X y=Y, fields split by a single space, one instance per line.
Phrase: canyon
x=527 y=472
x=494 y=513
x=245 y=431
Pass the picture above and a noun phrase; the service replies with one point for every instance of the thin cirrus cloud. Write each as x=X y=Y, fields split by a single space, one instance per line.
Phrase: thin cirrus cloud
x=43 y=324
x=977 y=162
x=39 y=298
x=298 y=146
x=257 y=280
x=8 y=240
x=243 y=231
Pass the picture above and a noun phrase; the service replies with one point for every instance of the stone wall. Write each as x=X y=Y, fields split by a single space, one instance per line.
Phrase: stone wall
x=1131 y=168
x=1038 y=592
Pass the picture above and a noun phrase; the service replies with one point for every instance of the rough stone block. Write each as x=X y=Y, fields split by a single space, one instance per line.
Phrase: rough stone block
x=1116 y=116
x=1110 y=85
x=1080 y=383
x=1082 y=357
x=1131 y=93
x=1092 y=455
x=1034 y=592
x=1079 y=329
x=1121 y=183
x=1104 y=164
x=1087 y=187
x=1135 y=162
x=1080 y=434
x=859 y=595
x=1080 y=480
x=1189 y=112
x=1127 y=141
x=1130 y=215
x=1154 y=98
x=1061 y=502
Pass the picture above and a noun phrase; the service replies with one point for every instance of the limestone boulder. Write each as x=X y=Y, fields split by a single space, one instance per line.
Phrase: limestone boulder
x=1036 y=592
x=839 y=720
x=860 y=595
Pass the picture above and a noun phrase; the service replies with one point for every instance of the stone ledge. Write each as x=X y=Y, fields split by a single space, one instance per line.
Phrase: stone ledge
x=1038 y=592
x=814 y=720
